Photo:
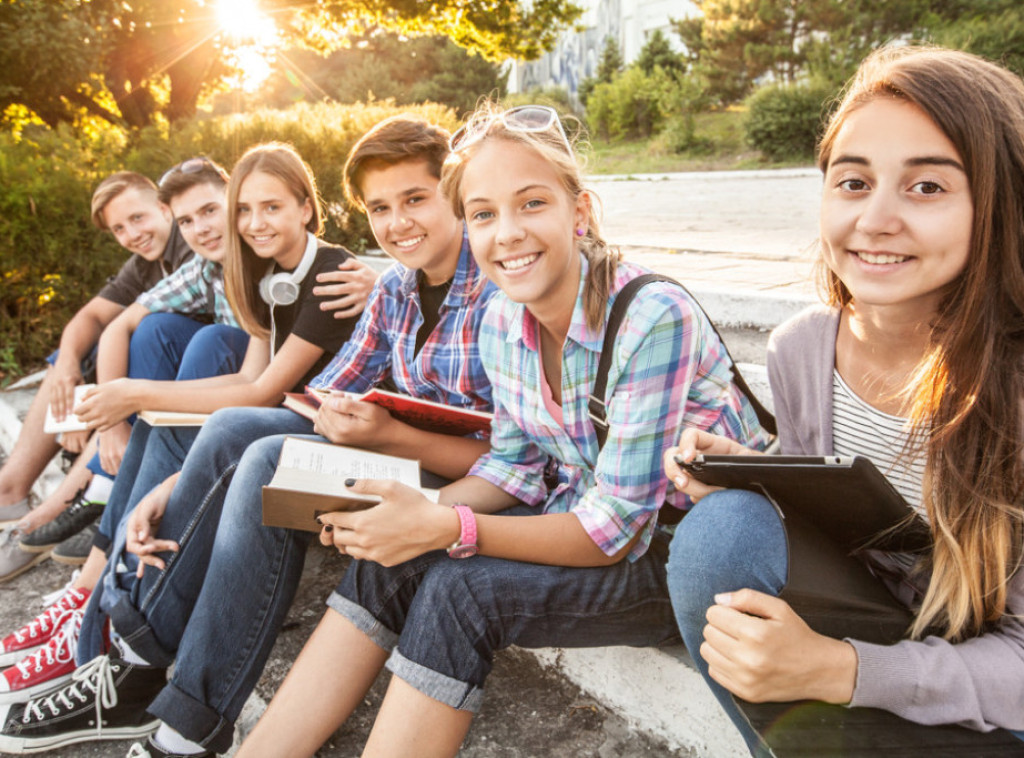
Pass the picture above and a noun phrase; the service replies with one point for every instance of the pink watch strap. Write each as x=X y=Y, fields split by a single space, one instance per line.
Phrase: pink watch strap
x=466 y=545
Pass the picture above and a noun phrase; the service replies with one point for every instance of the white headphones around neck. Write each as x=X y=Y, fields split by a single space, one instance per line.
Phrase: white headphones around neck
x=283 y=288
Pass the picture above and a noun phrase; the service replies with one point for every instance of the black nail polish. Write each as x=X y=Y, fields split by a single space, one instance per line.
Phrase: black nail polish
x=328 y=528
x=319 y=521
x=350 y=482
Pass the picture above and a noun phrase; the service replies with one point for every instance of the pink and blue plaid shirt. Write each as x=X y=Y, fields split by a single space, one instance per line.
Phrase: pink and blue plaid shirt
x=669 y=369
x=447 y=369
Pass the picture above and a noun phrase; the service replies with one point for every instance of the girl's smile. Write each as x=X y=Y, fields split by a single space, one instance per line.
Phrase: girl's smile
x=522 y=224
x=896 y=211
x=271 y=219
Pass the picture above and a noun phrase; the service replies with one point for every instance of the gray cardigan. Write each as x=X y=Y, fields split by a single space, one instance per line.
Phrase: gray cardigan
x=978 y=683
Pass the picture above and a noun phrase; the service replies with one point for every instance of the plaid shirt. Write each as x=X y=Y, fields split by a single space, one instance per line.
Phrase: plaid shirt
x=447 y=369
x=669 y=369
x=188 y=291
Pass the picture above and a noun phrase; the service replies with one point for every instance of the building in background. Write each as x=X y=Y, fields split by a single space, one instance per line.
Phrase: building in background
x=576 y=55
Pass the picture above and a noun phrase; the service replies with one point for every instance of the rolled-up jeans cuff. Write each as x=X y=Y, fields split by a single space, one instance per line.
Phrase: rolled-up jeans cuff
x=452 y=692
x=364 y=621
x=102 y=541
x=134 y=629
x=193 y=719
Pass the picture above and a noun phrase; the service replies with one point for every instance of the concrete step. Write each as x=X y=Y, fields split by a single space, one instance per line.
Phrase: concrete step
x=655 y=692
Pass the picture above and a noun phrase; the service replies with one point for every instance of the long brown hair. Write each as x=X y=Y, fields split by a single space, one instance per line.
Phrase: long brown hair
x=965 y=401
x=243 y=269
x=602 y=259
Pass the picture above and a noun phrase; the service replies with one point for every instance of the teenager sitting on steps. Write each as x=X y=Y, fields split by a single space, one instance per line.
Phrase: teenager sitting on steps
x=126 y=205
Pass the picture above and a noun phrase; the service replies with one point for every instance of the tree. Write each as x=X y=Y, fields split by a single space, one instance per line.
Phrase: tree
x=993 y=29
x=610 y=66
x=387 y=66
x=734 y=43
x=130 y=62
x=657 y=51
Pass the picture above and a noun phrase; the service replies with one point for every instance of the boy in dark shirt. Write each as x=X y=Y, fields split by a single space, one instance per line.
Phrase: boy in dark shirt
x=126 y=205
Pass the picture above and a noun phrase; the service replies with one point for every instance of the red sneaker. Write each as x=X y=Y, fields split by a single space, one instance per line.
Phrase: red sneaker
x=42 y=628
x=47 y=668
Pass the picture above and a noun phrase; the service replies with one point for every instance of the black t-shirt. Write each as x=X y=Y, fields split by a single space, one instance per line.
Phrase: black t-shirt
x=137 y=274
x=304 y=319
x=431 y=299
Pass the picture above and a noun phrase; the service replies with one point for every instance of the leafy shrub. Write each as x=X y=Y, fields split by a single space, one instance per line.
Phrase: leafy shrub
x=638 y=104
x=51 y=257
x=52 y=260
x=629 y=106
x=785 y=121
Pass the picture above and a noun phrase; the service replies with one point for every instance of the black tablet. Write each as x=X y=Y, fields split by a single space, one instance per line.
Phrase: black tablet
x=846 y=498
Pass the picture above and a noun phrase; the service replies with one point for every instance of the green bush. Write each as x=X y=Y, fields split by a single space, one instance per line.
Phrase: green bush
x=629 y=106
x=51 y=257
x=52 y=260
x=785 y=121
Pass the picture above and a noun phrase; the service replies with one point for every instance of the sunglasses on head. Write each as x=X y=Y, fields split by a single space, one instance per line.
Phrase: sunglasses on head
x=193 y=166
x=523 y=118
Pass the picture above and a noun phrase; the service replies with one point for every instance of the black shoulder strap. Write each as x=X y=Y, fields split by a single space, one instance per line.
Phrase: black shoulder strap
x=597 y=407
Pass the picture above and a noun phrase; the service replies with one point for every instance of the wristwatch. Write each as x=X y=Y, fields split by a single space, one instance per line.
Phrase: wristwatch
x=465 y=545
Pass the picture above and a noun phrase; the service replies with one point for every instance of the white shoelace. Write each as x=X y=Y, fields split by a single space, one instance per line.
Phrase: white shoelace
x=97 y=676
x=52 y=597
x=60 y=649
x=138 y=750
x=57 y=609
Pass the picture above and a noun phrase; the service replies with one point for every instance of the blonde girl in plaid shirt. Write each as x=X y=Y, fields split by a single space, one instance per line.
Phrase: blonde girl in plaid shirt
x=579 y=565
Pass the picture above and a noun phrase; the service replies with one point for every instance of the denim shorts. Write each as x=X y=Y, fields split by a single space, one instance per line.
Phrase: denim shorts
x=443 y=619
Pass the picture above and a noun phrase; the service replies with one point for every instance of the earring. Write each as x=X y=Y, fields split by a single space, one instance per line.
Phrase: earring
x=580 y=232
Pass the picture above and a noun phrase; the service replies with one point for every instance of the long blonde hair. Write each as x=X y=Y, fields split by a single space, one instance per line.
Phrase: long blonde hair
x=602 y=260
x=965 y=399
x=243 y=269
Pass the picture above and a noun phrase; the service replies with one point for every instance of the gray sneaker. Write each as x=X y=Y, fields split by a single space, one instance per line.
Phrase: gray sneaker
x=75 y=549
x=14 y=560
x=12 y=514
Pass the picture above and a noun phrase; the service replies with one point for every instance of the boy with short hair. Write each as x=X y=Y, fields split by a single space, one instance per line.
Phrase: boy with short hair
x=126 y=205
x=185 y=311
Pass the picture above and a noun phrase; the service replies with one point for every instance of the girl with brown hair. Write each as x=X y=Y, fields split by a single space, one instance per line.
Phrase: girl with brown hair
x=916 y=362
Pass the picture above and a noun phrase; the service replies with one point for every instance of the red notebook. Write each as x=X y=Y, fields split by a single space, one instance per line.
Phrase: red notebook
x=422 y=414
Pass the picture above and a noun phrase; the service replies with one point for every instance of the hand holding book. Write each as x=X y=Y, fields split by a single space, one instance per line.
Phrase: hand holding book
x=404 y=525
x=346 y=421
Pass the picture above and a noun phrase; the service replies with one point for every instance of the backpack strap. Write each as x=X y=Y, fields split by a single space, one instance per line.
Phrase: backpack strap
x=597 y=407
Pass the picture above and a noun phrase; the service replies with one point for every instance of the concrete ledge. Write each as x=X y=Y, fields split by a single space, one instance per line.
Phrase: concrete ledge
x=656 y=690
x=760 y=310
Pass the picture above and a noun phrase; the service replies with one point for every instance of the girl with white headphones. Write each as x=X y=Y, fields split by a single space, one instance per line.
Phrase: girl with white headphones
x=270 y=268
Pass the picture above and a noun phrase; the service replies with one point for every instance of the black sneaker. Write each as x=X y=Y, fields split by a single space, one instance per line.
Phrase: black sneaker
x=152 y=750
x=74 y=551
x=106 y=699
x=73 y=519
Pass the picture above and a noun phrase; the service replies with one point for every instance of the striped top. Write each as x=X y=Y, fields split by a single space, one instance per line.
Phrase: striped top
x=669 y=369
x=860 y=429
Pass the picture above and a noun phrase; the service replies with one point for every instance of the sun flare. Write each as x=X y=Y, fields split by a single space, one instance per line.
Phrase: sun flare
x=253 y=41
x=243 y=21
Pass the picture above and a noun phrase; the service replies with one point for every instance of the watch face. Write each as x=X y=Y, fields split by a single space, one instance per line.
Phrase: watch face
x=462 y=551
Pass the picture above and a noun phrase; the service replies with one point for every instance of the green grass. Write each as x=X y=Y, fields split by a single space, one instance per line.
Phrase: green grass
x=722 y=131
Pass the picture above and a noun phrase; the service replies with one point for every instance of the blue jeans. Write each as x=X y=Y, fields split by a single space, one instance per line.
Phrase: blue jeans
x=221 y=600
x=169 y=346
x=734 y=539
x=444 y=619
x=731 y=539
x=214 y=350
